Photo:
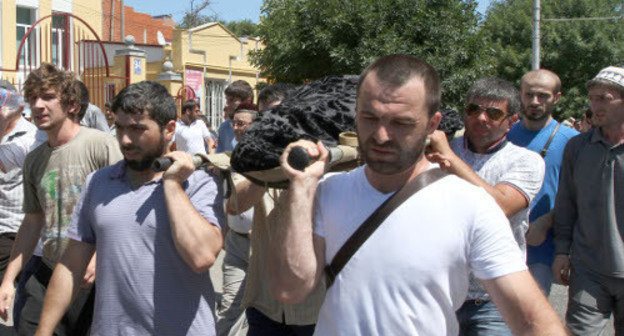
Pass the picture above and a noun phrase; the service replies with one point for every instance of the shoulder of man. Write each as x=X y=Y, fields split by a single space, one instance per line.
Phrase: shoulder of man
x=521 y=153
x=33 y=156
x=101 y=143
x=567 y=132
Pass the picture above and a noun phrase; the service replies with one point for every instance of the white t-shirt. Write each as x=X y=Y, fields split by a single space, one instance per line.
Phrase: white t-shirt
x=190 y=138
x=513 y=165
x=411 y=275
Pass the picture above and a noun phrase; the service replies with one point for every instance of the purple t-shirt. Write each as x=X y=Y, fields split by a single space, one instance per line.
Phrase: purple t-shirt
x=143 y=285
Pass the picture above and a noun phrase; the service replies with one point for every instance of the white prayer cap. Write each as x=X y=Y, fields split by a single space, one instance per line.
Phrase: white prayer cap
x=612 y=74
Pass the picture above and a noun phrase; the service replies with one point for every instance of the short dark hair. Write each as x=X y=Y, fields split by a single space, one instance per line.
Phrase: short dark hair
x=107 y=104
x=395 y=71
x=497 y=89
x=48 y=77
x=146 y=96
x=84 y=98
x=240 y=89
x=190 y=104
x=274 y=93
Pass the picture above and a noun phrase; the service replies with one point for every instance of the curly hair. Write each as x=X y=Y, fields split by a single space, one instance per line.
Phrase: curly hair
x=48 y=77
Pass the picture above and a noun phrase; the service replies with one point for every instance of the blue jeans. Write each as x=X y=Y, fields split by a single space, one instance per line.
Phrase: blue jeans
x=260 y=325
x=481 y=318
x=543 y=276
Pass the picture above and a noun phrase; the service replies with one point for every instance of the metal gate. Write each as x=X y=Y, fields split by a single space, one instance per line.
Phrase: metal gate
x=69 y=43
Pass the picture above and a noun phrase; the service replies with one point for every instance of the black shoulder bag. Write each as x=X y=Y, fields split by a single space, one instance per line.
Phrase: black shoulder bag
x=371 y=224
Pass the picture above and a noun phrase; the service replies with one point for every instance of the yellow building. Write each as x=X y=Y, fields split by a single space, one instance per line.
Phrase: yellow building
x=209 y=57
x=18 y=16
x=205 y=58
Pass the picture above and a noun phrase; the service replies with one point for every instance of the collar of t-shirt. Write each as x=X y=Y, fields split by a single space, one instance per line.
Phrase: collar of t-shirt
x=495 y=147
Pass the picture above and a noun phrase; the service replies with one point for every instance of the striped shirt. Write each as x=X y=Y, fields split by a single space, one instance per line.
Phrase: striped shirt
x=13 y=149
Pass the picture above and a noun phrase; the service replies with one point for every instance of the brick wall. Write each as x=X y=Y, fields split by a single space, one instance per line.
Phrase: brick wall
x=136 y=24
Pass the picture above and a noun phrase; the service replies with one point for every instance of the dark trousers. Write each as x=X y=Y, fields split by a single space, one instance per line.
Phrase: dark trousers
x=75 y=322
x=6 y=243
x=260 y=325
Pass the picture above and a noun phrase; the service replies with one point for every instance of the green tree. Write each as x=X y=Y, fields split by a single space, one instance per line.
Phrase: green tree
x=308 y=39
x=575 y=50
x=194 y=17
x=244 y=27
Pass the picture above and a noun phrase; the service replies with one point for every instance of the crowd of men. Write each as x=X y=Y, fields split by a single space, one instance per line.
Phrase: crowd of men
x=436 y=235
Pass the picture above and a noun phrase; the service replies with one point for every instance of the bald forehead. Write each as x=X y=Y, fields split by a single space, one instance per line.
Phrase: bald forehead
x=543 y=78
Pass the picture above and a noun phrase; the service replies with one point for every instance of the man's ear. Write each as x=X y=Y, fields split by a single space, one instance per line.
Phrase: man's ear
x=434 y=121
x=511 y=120
x=169 y=130
x=73 y=111
x=557 y=96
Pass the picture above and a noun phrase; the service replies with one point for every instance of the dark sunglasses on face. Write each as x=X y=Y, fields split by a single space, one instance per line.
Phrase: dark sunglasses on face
x=493 y=113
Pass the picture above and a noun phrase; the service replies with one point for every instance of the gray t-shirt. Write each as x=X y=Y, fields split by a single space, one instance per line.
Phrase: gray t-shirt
x=53 y=177
x=516 y=166
x=143 y=286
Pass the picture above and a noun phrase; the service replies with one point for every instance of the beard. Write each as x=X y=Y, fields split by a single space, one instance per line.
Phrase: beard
x=148 y=158
x=541 y=115
x=407 y=155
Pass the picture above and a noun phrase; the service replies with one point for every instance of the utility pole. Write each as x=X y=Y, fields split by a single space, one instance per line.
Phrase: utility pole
x=535 y=60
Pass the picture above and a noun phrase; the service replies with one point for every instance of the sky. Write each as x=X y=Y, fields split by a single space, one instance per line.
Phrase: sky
x=228 y=10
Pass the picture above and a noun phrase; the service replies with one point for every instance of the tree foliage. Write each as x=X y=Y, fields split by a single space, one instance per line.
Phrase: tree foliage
x=242 y=28
x=575 y=50
x=194 y=17
x=308 y=39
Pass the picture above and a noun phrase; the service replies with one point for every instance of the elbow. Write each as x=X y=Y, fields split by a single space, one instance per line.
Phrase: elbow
x=289 y=294
x=289 y=298
x=202 y=264
x=230 y=209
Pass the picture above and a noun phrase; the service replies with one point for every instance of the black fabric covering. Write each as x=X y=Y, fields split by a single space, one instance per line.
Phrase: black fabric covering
x=318 y=110
x=451 y=122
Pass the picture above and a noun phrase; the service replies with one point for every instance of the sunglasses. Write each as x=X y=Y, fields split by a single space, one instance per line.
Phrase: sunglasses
x=493 y=113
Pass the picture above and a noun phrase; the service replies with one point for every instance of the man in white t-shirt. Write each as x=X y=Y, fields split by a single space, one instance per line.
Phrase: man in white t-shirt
x=411 y=275
x=191 y=132
x=512 y=175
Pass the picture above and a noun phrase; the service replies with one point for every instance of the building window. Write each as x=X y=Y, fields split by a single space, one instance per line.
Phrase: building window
x=215 y=94
x=25 y=19
x=58 y=39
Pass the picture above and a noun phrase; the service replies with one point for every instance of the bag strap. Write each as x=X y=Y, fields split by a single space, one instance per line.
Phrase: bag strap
x=357 y=239
x=552 y=136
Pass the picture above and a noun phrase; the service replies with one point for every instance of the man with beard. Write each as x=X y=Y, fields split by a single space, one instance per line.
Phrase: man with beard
x=538 y=131
x=191 y=134
x=54 y=173
x=156 y=233
x=411 y=275
x=589 y=212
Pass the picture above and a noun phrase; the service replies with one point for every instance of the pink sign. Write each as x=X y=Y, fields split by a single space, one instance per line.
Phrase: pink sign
x=193 y=78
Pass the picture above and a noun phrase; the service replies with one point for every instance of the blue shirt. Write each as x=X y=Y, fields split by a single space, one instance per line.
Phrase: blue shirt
x=144 y=287
x=226 y=141
x=545 y=199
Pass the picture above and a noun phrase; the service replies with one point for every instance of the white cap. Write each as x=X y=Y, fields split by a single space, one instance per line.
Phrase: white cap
x=612 y=74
